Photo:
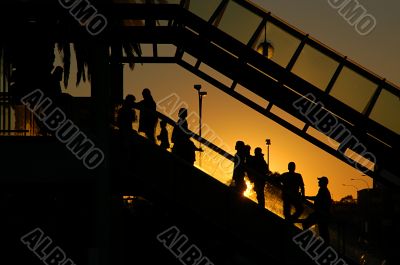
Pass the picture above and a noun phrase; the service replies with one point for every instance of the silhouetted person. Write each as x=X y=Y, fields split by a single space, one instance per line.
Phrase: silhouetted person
x=322 y=208
x=248 y=161
x=163 y=136
x=183 y=146
x=148 y=117
x=191 y=149
x=179 y=134
x=127 y=116
x=260 y=170
x=239 y=168
x=292 y=192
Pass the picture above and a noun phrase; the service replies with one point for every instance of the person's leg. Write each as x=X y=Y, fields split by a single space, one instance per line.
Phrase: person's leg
x=259 y=188
x=286 y=208
x=242 y=186
x=238 y=185
x=309 y=221
x=299 y=208
x=150 y=135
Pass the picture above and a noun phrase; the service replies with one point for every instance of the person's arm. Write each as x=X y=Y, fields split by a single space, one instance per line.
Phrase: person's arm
x=265 y=168
x=303 y=194
x=196 y=148
x=312 y=198
x=160 y=136
x=278 y=180
x=135 y=119
x=174 y=132
x=138 y=105
x=199 y=149
x=269 y=172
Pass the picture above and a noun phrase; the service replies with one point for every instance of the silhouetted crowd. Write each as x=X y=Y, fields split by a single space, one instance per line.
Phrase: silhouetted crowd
x=148 y=120
x=254 y=167
x=292 y=186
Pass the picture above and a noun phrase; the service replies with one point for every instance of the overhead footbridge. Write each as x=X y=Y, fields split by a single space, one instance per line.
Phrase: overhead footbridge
x=305 y=86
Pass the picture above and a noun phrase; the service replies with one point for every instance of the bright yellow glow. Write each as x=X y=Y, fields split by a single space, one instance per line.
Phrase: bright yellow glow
x=196 y=165
x=249 y=192
x=266 y=49
x=128 y=200
x=228 y=121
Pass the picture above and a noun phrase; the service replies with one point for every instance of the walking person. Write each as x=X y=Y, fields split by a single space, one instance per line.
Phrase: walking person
x=322 y=208
x=292 y=193
x=260 y=172
x=248 y=162
x=179 y=134
x=163 y=136
x=183 y=146
x=238 y=182
x=127 y=116
x=148 y=117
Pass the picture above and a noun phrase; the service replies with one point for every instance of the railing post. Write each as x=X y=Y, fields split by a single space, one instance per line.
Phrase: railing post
x=101 y=92
x=297 y=53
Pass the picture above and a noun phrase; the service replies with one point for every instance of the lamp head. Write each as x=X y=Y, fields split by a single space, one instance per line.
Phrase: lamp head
x=197 y=87
x=266 y=49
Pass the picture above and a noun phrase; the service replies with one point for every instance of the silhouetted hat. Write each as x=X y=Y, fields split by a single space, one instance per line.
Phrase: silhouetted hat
x=323 y=179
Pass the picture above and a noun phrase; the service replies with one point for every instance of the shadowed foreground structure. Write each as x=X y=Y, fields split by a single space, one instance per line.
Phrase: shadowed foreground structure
x=164 y=191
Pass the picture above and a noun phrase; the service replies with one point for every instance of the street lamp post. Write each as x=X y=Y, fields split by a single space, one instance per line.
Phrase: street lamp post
x=268 y=143
x=200 y=94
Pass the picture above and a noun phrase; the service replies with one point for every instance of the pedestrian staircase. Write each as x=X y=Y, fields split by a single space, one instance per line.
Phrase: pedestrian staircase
x=307 y=87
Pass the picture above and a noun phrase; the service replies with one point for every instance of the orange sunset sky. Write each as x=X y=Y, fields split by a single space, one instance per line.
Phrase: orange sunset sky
x=230 y=120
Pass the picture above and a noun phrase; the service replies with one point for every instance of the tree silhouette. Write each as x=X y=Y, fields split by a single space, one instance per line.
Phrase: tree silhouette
x=30 y=46
x=347 y=199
